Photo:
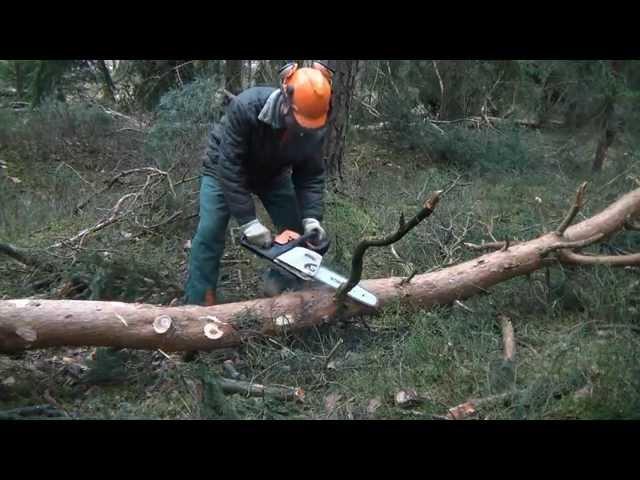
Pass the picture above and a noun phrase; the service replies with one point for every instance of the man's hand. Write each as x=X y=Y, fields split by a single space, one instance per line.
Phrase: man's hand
x=311 y=224
x=257 y=234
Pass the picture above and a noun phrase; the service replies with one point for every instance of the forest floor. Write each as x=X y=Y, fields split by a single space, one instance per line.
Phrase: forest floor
x=576 y=330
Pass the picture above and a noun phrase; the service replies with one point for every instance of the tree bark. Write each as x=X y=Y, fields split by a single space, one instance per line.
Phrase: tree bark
x=109 y=87
x=607 y=136
x=233 y=76
x=19 y=79
x=29 y=324
x=343 y=89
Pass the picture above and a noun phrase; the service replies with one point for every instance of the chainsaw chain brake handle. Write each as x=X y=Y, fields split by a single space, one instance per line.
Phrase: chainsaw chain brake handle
x=287 y=240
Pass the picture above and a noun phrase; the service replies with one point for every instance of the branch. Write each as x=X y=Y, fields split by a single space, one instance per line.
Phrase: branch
x=361 y=248
x=258 y=390
x=566 y=256
x=113 y=218
x=579 y=203
x=125 y=173
x=571 y=245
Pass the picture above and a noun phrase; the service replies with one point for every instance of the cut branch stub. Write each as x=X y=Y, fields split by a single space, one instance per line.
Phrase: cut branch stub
x=162 y=324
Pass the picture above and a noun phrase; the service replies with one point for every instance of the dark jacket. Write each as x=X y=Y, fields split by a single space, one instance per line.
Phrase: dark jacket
x=249 y=151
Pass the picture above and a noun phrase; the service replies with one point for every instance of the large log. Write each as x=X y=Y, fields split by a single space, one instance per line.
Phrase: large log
x=29 y=324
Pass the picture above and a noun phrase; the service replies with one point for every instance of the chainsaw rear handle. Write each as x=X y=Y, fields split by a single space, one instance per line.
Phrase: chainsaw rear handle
x=275 y=250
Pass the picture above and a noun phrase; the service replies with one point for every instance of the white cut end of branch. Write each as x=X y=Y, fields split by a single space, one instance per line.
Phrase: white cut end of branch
x=162 y=324
x=284 y=320
x=121 y=318
x=212 y=331
x=27 y=333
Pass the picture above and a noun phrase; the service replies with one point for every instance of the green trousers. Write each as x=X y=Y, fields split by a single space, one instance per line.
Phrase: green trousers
x=208 y=243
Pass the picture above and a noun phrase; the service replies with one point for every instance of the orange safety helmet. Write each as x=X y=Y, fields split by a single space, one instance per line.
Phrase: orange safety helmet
x=307 y=93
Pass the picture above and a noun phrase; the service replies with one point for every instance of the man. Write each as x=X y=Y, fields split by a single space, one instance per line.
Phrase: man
x=269 y=143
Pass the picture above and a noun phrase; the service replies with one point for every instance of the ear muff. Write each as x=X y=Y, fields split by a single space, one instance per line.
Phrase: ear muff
x=285 y=74
x=286 y=71
x=325 y=69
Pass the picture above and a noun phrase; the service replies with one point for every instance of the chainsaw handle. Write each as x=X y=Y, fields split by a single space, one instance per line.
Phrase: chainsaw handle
x=307 y=241
x=276 y=250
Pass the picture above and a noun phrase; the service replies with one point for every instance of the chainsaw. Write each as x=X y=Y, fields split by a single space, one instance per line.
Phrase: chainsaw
x=301 y=255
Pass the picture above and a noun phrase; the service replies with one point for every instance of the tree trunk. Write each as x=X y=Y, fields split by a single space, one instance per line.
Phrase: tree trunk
x=343 y=89
x=233 y=76
x=608 y=131
x=109 y=87
x=28 y=324
x=19 y=79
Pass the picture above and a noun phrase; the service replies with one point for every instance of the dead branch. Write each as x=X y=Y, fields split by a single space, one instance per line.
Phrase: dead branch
x=18 y=255
x=332 y=353
x=150 y=170
x=361 y=248
x=575 y=208
x=114 y=217
x=257 y=390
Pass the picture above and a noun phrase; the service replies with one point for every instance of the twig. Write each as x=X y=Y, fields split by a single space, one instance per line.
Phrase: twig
x=76 y=172
x=575 y=208
x=357 y=261
x=332 y=353
x=113 y=218
x=404 y=281
x=463 y=306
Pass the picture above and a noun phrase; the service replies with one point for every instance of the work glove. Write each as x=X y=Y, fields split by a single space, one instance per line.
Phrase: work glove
x=311 y=224
x=257 y=234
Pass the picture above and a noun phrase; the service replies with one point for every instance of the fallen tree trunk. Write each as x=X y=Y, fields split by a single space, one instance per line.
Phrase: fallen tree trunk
x=29 y=324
